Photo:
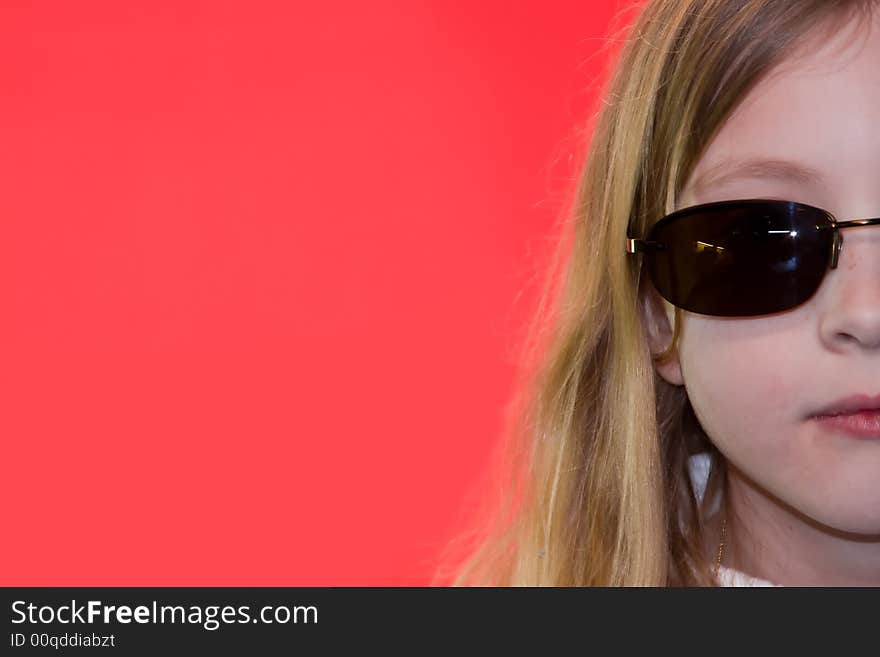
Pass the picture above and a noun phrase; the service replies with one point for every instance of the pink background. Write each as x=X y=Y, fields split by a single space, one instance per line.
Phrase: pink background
x=265 y=268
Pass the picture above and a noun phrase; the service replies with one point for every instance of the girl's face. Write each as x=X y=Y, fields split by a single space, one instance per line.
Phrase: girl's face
x=807 y=499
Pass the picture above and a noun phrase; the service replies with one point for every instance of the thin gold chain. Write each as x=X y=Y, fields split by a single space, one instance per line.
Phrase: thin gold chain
x=721 y=546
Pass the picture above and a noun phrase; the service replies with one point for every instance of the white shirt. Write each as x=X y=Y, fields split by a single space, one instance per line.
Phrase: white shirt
x=730 y=577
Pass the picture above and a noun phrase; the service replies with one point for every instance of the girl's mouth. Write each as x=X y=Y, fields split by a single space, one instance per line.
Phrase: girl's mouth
x=860 y=424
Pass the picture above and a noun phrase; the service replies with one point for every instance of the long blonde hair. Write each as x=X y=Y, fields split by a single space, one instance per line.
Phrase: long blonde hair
x=593 y=472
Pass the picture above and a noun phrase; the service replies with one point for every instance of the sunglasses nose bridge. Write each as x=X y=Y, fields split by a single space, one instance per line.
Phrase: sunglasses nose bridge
x=836 y=247
x=837 y=241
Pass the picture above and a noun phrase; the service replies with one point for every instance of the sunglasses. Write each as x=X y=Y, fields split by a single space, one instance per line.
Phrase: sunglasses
x=742 y=258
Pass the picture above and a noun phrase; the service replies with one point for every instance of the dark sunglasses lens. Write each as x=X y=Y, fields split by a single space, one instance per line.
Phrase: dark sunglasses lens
x=742 y=260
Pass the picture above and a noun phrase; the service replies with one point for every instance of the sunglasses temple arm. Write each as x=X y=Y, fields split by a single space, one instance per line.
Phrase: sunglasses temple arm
x=643 y=246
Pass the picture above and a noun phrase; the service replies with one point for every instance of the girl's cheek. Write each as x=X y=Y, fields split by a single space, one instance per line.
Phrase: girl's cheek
x=739 y=394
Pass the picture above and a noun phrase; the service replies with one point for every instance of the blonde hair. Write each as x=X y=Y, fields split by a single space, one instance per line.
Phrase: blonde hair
x=593 y=477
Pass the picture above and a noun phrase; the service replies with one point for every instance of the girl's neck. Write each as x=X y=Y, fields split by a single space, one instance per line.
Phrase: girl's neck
x=775 y=542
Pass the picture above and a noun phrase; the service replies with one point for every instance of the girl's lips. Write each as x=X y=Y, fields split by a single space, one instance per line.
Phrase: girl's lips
x=864 y=424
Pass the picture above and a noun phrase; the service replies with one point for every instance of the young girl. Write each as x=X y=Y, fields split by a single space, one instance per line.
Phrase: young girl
x=720 y=298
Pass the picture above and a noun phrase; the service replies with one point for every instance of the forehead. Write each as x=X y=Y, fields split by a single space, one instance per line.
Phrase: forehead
x=810 y=124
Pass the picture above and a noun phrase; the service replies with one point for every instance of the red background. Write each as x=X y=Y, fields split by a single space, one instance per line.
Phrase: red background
x=264 y=268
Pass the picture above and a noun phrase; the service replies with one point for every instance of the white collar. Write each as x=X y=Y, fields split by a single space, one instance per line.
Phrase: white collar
x=731 y=577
